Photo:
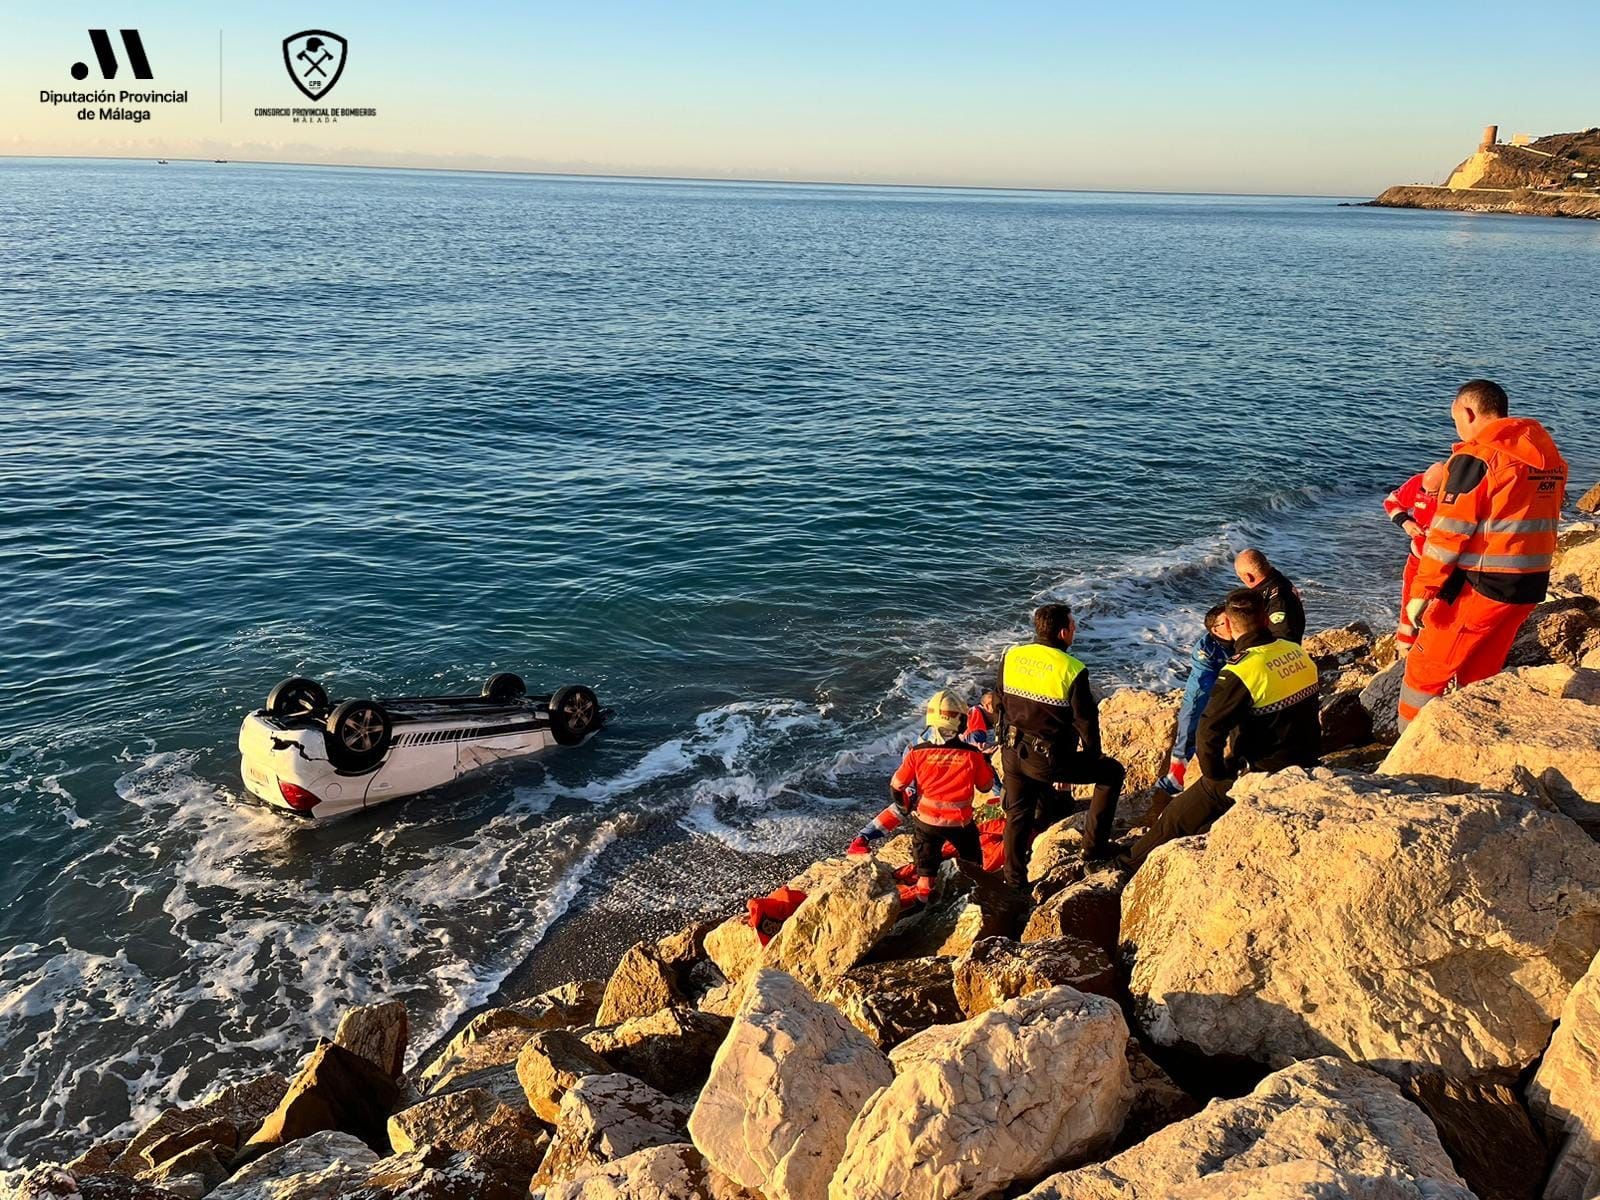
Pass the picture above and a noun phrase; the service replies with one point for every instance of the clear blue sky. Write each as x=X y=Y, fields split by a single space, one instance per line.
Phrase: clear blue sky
x=1173 y=96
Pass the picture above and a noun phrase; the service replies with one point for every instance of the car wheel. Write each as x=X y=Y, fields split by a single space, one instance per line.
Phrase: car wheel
x=504 y=687
x=358 y=735
x=296 y=697
x=574 y=714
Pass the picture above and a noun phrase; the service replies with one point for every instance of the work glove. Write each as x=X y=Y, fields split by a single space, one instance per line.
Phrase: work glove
x=1414 y=611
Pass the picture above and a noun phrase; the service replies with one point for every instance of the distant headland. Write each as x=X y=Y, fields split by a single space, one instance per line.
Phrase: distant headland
x=1557 y=175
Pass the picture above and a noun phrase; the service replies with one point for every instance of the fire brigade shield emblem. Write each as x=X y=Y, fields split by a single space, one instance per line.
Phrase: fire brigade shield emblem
x=315 y=60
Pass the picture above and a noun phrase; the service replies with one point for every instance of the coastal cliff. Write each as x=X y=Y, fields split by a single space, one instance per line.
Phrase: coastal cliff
x=1553 y=176
x=1379 y=977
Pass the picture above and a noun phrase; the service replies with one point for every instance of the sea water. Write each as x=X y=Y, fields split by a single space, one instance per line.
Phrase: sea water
x=763 y=464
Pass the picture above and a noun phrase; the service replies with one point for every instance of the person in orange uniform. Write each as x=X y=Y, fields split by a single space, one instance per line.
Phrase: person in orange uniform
x=944 y=770
x=1486 y=562
x=1410 y=506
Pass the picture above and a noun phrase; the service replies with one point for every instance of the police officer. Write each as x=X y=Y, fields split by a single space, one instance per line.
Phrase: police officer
x=1267 y=692
x=1050 y=739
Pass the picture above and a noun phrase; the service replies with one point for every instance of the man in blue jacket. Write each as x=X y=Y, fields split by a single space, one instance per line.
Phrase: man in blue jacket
x=1206 y=660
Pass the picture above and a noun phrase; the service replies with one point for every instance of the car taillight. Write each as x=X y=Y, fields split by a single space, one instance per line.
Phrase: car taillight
x=297 y=798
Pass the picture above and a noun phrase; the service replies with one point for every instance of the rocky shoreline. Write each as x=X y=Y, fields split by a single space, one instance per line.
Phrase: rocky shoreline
x=1377 y=979
x=1520 y=201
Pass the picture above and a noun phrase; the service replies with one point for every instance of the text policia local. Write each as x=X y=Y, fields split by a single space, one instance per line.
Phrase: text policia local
x=113 y=105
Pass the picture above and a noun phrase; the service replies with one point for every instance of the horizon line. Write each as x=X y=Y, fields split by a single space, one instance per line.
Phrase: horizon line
x=949 y=187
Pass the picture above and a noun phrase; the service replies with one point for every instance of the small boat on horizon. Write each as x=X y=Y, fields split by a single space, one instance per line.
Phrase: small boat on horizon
x=162 y=161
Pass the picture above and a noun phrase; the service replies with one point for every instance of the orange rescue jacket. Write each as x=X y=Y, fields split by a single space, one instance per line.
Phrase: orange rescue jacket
x=945 y=775
x=1495 y=527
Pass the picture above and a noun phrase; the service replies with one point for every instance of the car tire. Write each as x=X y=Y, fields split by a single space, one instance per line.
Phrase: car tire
x=297 y=697
x=504 y=687
x=358 y=734
x=574 y=714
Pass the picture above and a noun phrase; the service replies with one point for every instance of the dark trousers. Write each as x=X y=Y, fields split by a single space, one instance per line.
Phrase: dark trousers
x=1032 y=804
x=927 y=844
x=1190 y=812
x=997 y=903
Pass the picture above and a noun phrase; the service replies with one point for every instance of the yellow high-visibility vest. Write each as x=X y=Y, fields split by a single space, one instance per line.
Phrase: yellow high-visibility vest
x=1278 y=674
x=1040 y=673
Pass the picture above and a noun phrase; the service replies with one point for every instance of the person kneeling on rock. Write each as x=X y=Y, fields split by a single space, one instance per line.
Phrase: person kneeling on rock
x=1268 y=694
x=943 y=771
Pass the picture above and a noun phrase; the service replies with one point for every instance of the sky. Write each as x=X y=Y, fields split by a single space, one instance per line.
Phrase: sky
x=1150 y=95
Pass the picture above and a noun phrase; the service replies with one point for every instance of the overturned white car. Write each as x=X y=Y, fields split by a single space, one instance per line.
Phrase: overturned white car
x=315 y=759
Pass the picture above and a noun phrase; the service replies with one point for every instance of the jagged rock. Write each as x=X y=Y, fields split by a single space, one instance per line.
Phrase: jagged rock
x=335 y=1090
x=977 y=1106
x=671 y=1049
x=734 y=947
x=42 y=1182
x=320 y=1166
x=495 y=1037
x=1381 y=699
x=685 y=947
x=1545 y=720
x=921 y=934
x=1576 y=569
x=102 y=1154
x=1486 y=1132
x=377 y=1032
x=240 y=1109
x=476 y=1121
x=1562 y=631
x=790 y=1079
x=838 y=923
x=674 y=1172
x=1322 y=1128
x=606 y=1117
x=1136 y=729
x=641 y=984
x=1343 y=646
x=113 y=1186
x=1345 y=721
x=1158 y=1101
x=966 y=931
x=1565 y=1093
x=998 y=969
x=552 y=1061
x=1374 y=918
x=1056 y=859
x=896 y=852
x=1589 y=502
x=220 y=1136
x=438 y=1173
x=1090 y=909
x=889 y=1001
x=190 y=1173
x=722 y=1000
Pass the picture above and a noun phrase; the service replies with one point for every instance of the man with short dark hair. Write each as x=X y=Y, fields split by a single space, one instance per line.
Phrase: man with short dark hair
x=1209 y=656
x=1050 y=739
x=1267 y=695
x=1486 y=562
x=1286 y=615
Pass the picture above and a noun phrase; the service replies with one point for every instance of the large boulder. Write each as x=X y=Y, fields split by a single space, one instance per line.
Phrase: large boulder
x=551 y=1062
x=978 y=1106
x=604 y=1118
x=1345 y=721
x=1565 y=1093
x=377 y=1032
x=320 y=1166
x=673 y=1172
x=837 y=924
x=998 y=969
x=1541 y=720
x=1137 y=729
x=1381 y=699
x=438 y=1173
x=671 y=1049
x=641 y=984
x=496 y=1036
x=1563 y=631
x=1378 y=919
x=1344 y=646
x=734 y=947
x=1576 y=569
x=223 y=1120
x=1589 y=502
x=1089 y=909
x=335 y=1089
x=889 y=1001
x=1321 y=1128
x=476 y=1121
x=786 y=1086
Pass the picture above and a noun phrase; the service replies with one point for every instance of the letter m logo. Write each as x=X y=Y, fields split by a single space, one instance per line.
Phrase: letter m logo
x=100 y=39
